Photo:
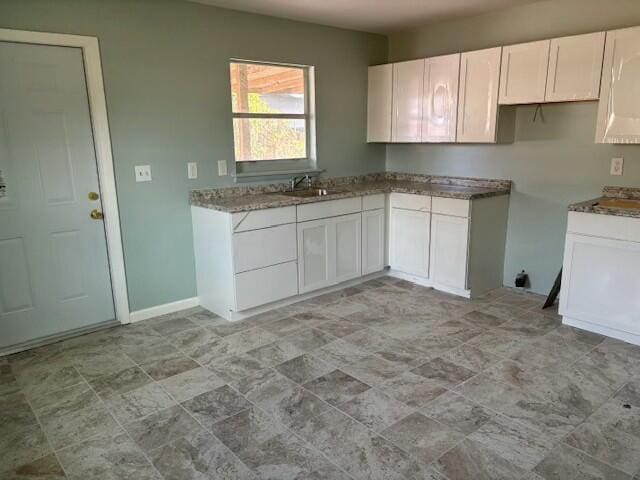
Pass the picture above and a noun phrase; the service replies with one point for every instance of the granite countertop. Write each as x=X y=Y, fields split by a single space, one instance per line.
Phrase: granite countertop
x=243 y=199
x=630 y=195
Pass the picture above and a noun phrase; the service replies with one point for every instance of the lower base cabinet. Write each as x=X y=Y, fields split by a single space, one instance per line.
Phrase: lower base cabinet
x=247 y=260
x=450 y=244
x=373 y=240
x=329 y=251
x=409 y=239
x=600 y=282
x=449 y=250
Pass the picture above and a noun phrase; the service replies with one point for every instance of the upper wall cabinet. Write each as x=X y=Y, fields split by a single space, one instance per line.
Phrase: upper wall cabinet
x=524 y=73
x=575 y=68
x=478 y=102
x=440 y=100
x=408 y=85
x=619 y=110
x=379 y=103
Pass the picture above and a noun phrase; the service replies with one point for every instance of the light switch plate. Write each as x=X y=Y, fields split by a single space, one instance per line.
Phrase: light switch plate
x=222 y=168
x=617 y=165
x=192 y=170
x=143 y=173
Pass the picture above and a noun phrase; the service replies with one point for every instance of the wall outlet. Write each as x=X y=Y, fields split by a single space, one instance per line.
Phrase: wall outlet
x=222 y=168
x=143 y=173
x=617 y=165
x=192 y=170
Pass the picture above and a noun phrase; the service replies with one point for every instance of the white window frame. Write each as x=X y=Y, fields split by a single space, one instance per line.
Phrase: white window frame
x=282 y=166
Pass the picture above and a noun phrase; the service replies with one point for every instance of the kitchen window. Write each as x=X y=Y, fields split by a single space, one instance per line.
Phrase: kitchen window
x=272 y=107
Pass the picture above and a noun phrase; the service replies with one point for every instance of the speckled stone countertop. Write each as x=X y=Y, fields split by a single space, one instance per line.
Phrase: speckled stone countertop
x=243 y=199
x=609 y=193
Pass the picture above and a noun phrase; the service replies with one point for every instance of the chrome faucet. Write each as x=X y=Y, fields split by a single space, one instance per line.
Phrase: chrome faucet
x=295 y=181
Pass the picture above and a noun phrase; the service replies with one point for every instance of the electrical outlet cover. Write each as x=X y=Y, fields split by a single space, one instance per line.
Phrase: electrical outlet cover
x=617 y=165
x=143 y=173
x=222 y=168
x=192 y=170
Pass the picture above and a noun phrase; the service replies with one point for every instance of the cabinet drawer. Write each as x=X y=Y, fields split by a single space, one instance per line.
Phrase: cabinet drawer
x=373 y=202
x=266 y=285
x=270 y=217
x=331 y=208
x=408 y=201
x=451 y=206
x=605 y=226
x=261 y=248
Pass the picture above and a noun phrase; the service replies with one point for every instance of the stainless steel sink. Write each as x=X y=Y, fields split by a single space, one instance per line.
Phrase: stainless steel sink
x=311 y=192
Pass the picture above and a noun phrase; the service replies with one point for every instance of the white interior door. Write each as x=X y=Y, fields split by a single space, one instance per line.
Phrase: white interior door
x=54 y=273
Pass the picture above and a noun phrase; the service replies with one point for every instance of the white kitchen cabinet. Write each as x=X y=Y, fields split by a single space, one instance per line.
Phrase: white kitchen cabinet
x=347 y=261
x=575 y=68
x=329 y=251
x=478 y=98
x=450 y=244
x=408 y=85
x=619 y=108
x=379 y=103
x=600 y=281
x=440 y=99
x=523 y=76
x=449 y=250
x=314 y=254
x=409 y=241
x=244 y=260
x=373 y=240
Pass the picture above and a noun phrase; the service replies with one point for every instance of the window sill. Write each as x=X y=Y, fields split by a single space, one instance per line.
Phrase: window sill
x=252 y=176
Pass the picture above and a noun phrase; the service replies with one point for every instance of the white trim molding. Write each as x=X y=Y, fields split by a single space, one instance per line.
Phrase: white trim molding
x=165 y=309
x=102 y=140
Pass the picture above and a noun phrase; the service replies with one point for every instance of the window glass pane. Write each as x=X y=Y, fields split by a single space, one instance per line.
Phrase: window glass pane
x=269 y=138
x=259 y=88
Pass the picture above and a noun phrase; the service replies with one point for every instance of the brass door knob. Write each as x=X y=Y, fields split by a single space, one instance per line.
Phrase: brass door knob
x=96 y=214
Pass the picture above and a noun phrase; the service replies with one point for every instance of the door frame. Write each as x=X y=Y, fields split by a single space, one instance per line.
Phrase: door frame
x=102 y=141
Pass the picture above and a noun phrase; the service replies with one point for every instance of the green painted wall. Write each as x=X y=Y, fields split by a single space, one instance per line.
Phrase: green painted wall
x=165 y=66
x=553 y=163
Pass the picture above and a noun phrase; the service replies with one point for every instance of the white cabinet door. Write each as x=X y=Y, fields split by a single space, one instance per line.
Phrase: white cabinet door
x=478 y=100
x=575 y=68
x=314 y=254
x=523 y=76
x=408 y=82
x=329 y=251
x=379 y=96
x=619 y=109
x=600 y=282
x=373 y=230
x=409 y=249
x=449 y=250
x=440 y=99
x=347 y=258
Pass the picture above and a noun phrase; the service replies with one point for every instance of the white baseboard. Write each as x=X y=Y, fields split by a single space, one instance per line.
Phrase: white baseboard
x=602 y=330
x=164 y=309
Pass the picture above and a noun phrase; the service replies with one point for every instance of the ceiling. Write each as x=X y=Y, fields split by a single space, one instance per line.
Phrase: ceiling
x=379 y=16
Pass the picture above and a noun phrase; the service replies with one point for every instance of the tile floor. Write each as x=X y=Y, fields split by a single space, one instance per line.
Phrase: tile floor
x=386 y=380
